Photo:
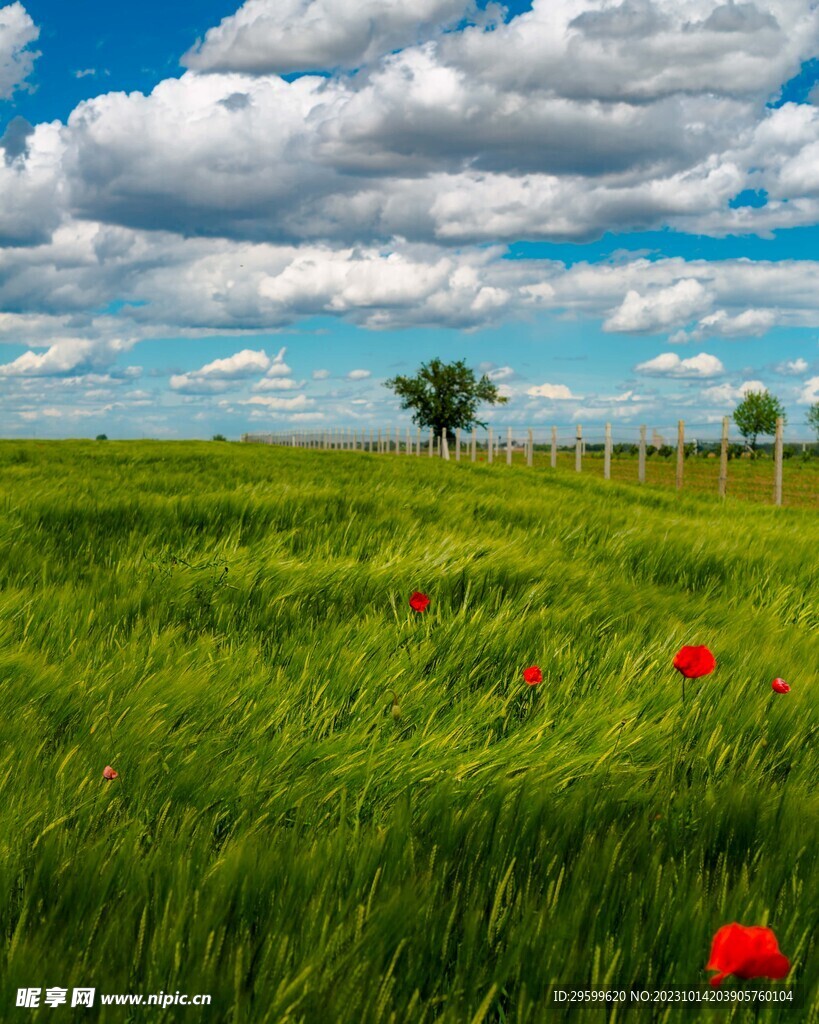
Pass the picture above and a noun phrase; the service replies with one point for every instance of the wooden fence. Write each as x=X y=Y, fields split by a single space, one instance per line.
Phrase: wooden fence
x=556 y=447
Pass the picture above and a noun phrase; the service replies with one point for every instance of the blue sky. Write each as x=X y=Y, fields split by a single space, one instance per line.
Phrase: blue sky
x=227 y=218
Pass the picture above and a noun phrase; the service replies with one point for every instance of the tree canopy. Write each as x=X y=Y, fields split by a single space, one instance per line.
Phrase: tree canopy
x=813 y=417
x=757 y=414
x=445 y=396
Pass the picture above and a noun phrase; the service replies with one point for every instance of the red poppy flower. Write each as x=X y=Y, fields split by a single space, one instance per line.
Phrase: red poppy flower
x=780 y=686
x=533 y=675
x=747 y=953
x=694 y=662
x=109 y=773
x=419 y=602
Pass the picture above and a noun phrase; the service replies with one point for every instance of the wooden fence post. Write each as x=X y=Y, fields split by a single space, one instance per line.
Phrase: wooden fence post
x=680 y=452
x=508 y=446
x=530 y=449
x=641 y=459
x=780 y=423
x=409 y=442
x=444 y=445
x=474 y=445
x=431 y=441
x=458 y=444
x=723 y=459
x=578 y=449
x=554 y=448
x=418 y=442
x=607 y=454
x=490 y=446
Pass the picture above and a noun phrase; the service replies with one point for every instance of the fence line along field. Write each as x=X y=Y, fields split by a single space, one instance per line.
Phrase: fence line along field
x=776 y=473
x=332 y=807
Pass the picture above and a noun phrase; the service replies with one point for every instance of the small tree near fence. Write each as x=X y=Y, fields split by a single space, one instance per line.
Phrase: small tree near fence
x=445 y=396
x=757 y=414
x=813 y=418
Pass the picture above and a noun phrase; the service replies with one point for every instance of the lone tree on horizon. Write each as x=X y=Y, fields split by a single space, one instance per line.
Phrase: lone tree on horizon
x=445 y=396
x=813 y=418
x=757 y=414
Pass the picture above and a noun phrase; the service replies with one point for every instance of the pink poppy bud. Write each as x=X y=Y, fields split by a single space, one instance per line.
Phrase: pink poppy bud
x=109 y=773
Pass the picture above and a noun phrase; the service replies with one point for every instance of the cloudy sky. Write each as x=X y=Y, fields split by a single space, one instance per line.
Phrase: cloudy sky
x=219 y=219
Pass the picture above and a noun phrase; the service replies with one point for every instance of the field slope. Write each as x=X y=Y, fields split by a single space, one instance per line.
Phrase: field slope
x=224 y=624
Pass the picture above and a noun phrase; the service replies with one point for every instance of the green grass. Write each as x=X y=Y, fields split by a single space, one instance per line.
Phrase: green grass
x=223 y=625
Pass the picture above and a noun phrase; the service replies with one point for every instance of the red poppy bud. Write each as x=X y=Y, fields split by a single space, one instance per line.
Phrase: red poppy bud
x=746 y=953
x=109 y=773
x=533 y=675
x=694 y=662
x=419 y=602
x=780 y=686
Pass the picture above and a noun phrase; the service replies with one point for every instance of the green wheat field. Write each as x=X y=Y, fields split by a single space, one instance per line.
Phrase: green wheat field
x=225 y=624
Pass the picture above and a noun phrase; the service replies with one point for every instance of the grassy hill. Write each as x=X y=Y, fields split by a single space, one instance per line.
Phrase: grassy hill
x=224 y=626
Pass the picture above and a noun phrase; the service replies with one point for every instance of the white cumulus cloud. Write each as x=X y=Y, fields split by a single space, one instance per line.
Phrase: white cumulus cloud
x=278 y=384
x=65 y=357
x=278 y=367
x=792 y=367
x=17 y=32
x=284 y=404
x=669 y=364
x=281 y=36
x=723 y=394
x=553 y=391
x=222 y=374
x=809 y=392
x=658 y=310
